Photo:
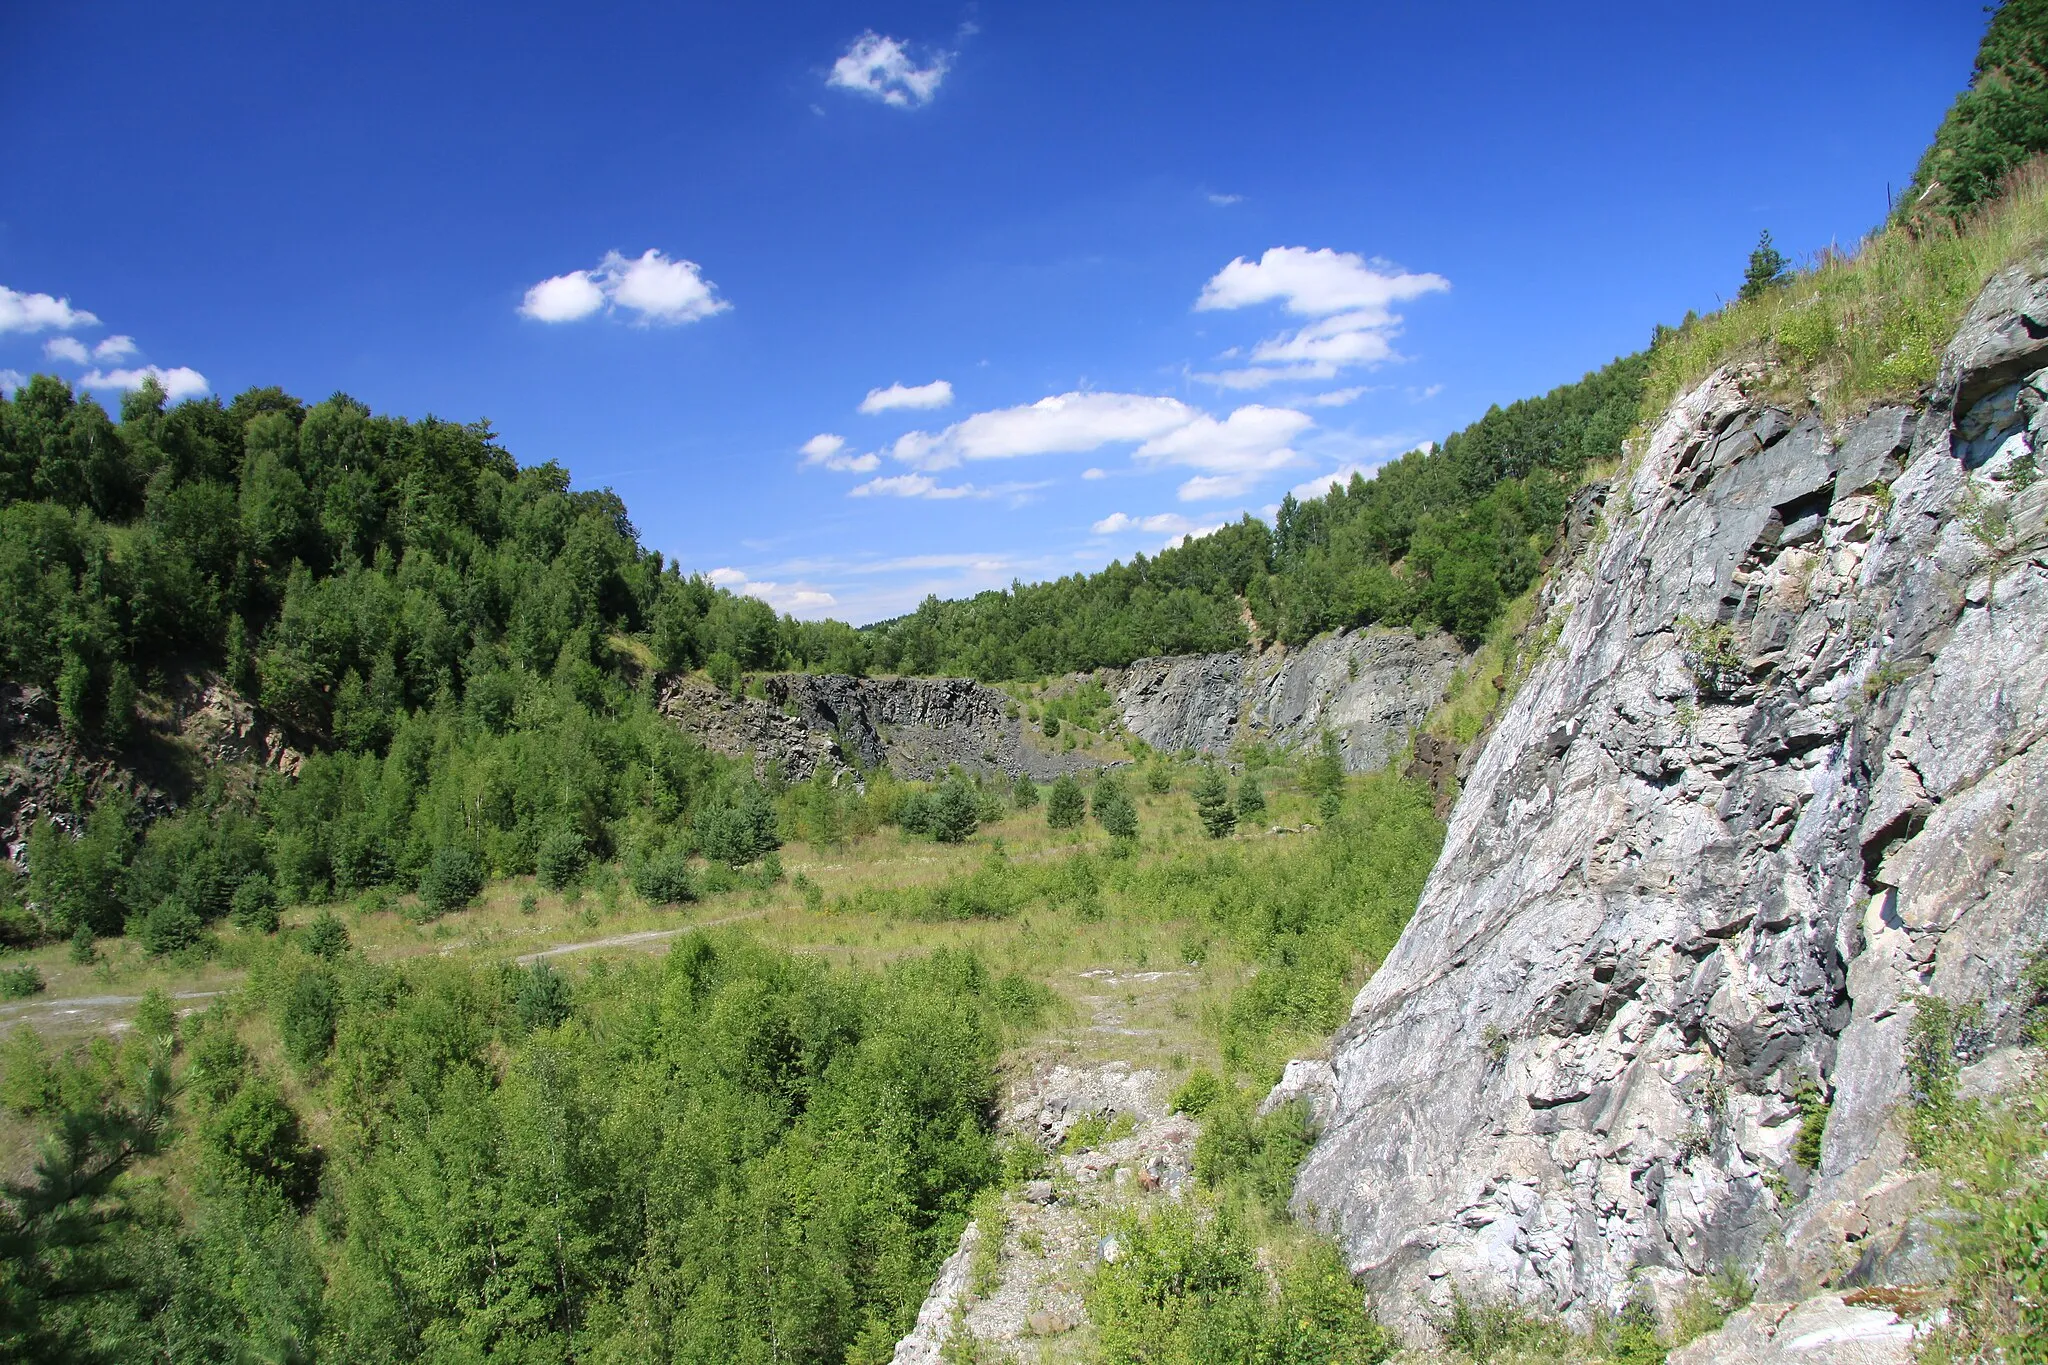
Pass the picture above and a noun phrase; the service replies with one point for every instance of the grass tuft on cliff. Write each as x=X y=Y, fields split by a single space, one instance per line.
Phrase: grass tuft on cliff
x=1856 y=328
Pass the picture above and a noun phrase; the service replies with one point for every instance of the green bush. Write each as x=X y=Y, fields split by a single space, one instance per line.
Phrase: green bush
x=1212 y=802
x=1066 y=806
x=541 y=997
x=19 y=983
x=663 y=878
x=453 y=878
x=171 y=927
x=1257 y=1155
x=312 y=1008
x=954 y=814
x=1023 y=792
x=255 y=904
x=560 y=859
x=1251 y=800
x=1187 y=1289
x=1198 y=1093
x=325 y=936
x=256 y=1136
x=1114 y=810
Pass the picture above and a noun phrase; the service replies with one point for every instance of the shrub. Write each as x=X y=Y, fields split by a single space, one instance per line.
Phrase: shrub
x=1212 y=802
x=1158 y=778
x=312 y=1008
x=1251 y=801
x=326 y=937
x=256 y=1137
x=1767 y=268
x=255 y=904
x=452 y=879
x=1259 y=1155
x=663 y=878
x=1065 y=805
x=724 y=671
x=1114 y=810
x=1023 y=792
x=1198 y=1093
x=954 y=814
x=541 y=999
x=559 y=861
x=19 y=983
x=171 y=927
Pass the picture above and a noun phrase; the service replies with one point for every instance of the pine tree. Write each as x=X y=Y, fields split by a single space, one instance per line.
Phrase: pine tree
x=1251 y=801
x=1212 y=802
x=1065 y=806
x=1767 y=267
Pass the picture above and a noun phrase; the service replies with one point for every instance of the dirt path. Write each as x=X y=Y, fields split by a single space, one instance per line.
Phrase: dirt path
x=641 y=939
x=86 y=1013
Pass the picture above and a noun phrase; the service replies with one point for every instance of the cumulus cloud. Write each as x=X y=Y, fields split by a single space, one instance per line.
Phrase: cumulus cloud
x=1350 y=298
x=1067 y=423
x=1336 y=398
x=39 y=313
x=564 y=298
x=797 y=599
x=936 y=394
x=1316 y=283
x=651 y=286
x=1092 y=473
x=828 y=451
x=114 y=348
x=178 y=382
x=10 y=380
x=883 y=69
x=1233 y=453
x=67 y=348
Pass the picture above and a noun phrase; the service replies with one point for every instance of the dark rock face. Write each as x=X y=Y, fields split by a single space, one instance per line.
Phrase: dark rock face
x=1782 y=773
x=1371 y=688
x=915 y=727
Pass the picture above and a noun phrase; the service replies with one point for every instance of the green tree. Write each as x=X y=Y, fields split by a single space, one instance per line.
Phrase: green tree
x=452 y=879
x=1212 y=802
x=1251 y=799
x=1994 y=126
x=1023 y=792
x=1767 y=268
x=1066 y=805
x=1114 y=810
x=954 y=813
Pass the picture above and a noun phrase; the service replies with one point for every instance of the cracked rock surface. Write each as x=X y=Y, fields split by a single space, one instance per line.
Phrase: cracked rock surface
x=1372 y=688
x=1780 y=773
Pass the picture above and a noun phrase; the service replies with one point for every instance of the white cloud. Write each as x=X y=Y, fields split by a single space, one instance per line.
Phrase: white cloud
x=1336 y=398
x=1068 y=423
x=650 y=285
x=114 y=348
x=1095 y=473
x=11 y=380
x=796 y=599
x=936 y=394
x=1233 y=453
x=924 y=486
x=1316 y=283
x=179 y=382
x=882 y=68
x=1350 y=298
x=1224 y=201
x=1165 y=523
x=828 y=451
x=564 y=298
x=39 y=312
x=659 y=289
x=67 y=348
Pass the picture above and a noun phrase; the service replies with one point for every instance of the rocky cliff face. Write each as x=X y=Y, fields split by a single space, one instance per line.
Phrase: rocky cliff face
x=1781 y=772
x=916 y=727
x=1371 y=688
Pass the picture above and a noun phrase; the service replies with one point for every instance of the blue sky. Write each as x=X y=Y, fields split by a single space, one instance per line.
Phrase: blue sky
x=1109 y=272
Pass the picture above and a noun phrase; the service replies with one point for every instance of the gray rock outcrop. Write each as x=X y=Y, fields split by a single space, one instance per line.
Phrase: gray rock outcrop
x=915 y=727
x=1781 y=773
x=1372 y=688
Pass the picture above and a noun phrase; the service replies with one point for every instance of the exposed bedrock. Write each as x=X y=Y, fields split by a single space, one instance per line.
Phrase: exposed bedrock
x=1371 y=688
x=916 y=727
x=1781 y=773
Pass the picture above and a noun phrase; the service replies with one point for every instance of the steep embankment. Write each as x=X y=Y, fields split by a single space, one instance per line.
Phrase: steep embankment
x=1780 y=773
x=1372 y=689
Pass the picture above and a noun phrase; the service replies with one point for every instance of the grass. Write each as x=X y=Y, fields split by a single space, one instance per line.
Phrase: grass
x=1506 y=654
x=1856 y=328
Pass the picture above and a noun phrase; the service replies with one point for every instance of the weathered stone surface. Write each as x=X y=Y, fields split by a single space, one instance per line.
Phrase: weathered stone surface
x=916 y=727
x=1371 y=688
x=1672 y=897
x=1821 y=1331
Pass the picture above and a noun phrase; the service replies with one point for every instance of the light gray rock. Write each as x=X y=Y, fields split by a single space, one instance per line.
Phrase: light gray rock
x=1672 y=897
x=1371 y=688
x=1821 y=1331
